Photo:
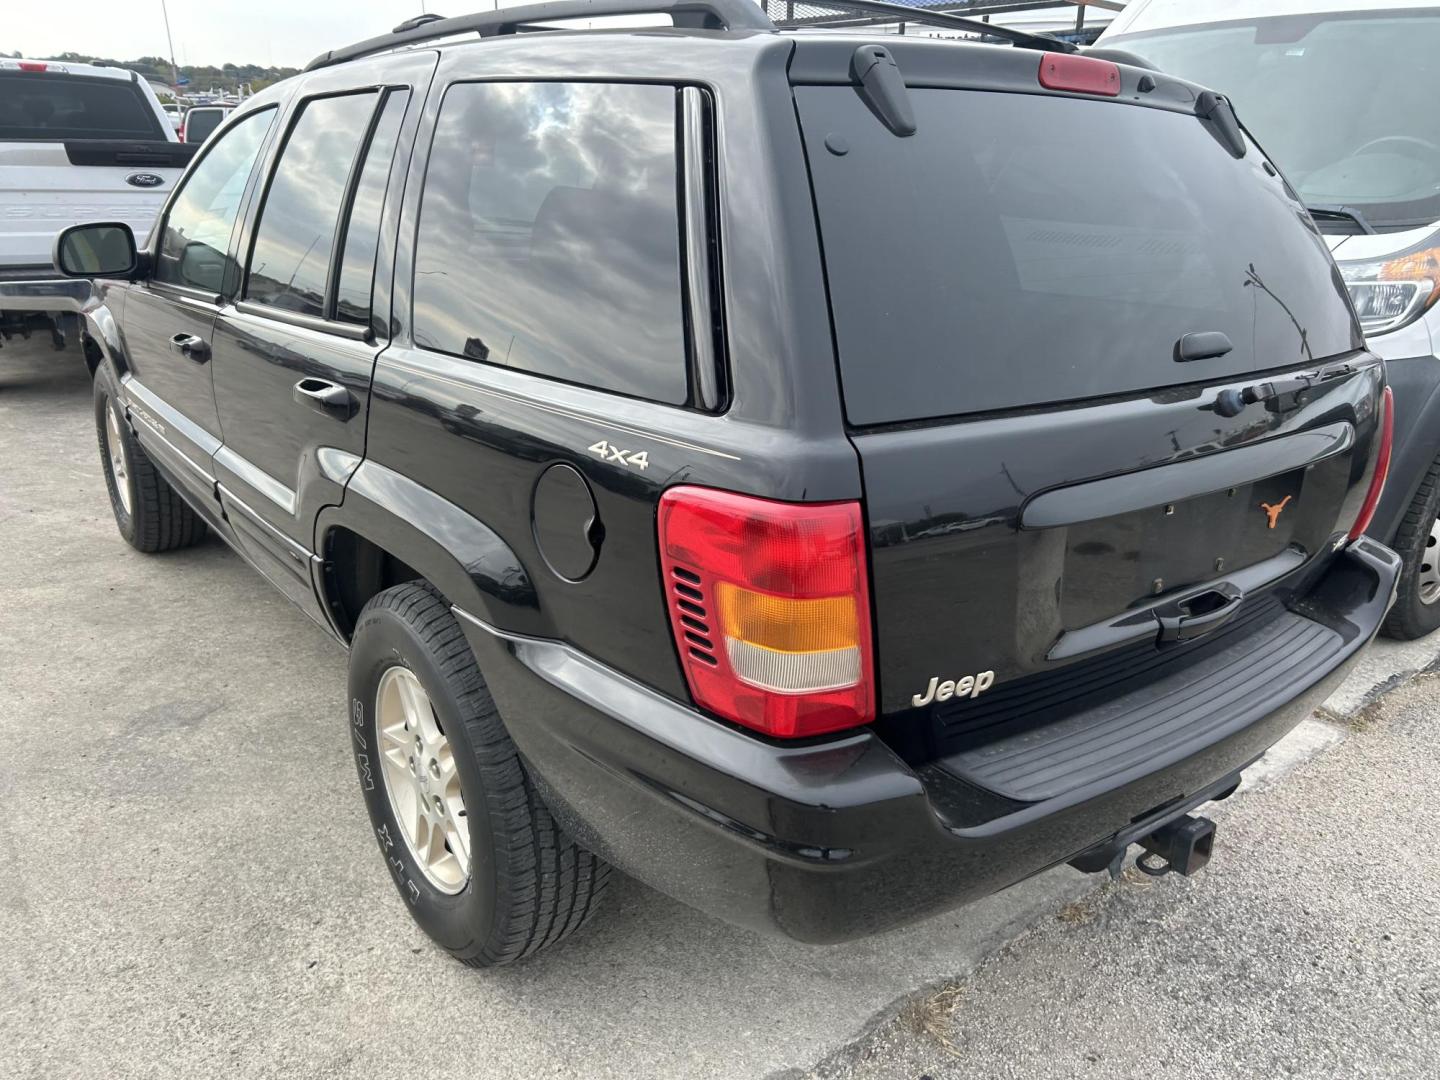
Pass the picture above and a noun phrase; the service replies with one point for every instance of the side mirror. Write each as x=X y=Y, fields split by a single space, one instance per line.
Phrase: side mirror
x=100 y=250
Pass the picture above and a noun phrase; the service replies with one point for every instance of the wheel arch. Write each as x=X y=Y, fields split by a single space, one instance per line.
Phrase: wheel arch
x=391 y=529
x=100 y=331
x=1416 y=382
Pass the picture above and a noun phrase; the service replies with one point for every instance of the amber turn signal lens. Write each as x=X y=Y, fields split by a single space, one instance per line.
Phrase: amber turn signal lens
x=785 y=624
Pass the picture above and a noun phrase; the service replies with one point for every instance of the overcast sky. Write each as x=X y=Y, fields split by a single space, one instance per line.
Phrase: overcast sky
x=281 y=32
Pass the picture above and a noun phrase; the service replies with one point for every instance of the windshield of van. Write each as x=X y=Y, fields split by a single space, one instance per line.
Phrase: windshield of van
x=1341 y=101
x=1022 y=249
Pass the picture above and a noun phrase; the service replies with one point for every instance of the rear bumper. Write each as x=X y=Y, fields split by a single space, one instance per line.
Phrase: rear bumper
x=40 y=289
x=838 y=840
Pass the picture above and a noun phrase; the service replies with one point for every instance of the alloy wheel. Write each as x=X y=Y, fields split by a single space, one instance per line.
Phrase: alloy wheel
x=115 y=451
x=421 y=780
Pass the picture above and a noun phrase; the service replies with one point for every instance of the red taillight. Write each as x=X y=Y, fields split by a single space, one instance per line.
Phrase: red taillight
x=770 y=606
x=1080 y=74
x=1382 y=466
x=30 y=65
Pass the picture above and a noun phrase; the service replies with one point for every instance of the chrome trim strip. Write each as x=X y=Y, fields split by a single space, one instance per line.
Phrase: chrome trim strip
x=601 y=422
x=184 y=457
x=257 y=478
x=296 y=549
x=198 y=297
x=135 y=410
x=308 y=322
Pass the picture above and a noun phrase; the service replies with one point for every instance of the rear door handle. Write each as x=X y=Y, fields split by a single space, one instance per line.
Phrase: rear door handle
x=328 y=398
x=191 y=347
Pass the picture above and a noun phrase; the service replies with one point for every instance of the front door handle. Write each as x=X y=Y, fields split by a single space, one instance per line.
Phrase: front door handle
x=191 y=347
x=329 y=398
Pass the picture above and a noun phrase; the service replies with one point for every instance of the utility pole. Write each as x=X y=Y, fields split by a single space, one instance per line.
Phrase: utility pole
x=174 y=71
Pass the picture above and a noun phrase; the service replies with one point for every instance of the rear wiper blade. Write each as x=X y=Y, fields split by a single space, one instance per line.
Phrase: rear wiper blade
x=1334 y=212
x=1043 y=42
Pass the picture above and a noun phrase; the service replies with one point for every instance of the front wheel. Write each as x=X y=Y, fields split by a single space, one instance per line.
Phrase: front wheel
x=150 y=514
x=475 y=854
x=1417 y=542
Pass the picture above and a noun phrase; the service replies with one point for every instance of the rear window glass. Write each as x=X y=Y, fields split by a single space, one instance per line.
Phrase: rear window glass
x=1024 y=249
x=549 y=236
x=49 y=107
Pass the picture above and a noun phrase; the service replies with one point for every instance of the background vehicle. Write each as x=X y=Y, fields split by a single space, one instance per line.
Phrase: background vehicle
x=176 y=114
x=690 y=504
x=201 y=122
x=1330 y=90
x=77 y=143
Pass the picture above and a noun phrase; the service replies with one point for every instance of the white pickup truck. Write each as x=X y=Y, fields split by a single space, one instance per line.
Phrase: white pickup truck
x=77 y=143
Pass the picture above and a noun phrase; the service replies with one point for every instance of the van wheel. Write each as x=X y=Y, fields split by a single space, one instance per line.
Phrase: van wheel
x=150 y=514
x=1417 y=541
x=478 y=860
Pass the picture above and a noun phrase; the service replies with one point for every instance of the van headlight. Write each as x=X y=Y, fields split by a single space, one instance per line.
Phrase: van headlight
x=1390 y=292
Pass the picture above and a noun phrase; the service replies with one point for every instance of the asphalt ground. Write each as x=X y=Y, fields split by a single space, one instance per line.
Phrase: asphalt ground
x=188 y=886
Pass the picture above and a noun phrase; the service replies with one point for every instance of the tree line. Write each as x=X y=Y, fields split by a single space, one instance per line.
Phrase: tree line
x=228 y=77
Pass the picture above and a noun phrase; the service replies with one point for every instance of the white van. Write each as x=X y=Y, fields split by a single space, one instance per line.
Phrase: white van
x=1341 y=95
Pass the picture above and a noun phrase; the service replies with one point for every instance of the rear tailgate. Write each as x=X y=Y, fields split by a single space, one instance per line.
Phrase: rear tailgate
x=42 y=190
x=1058 y=496
x=77 y=147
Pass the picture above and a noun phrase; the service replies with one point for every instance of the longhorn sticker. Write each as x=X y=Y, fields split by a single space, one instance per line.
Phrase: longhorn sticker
x=1273 y=512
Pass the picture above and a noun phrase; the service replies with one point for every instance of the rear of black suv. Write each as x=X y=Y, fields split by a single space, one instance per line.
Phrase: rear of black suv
x=1118 y=440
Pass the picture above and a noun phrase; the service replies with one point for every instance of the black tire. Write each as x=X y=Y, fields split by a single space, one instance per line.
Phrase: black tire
x=1415 y=542
x=157 y=518
x=530 y=885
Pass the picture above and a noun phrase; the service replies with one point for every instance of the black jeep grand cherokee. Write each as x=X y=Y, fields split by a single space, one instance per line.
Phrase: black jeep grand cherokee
x=830 y=481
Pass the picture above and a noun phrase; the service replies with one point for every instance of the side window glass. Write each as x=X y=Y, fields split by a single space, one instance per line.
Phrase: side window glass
x=290 y=262
x=549 y=235
x=195 y=238
x=362 y=232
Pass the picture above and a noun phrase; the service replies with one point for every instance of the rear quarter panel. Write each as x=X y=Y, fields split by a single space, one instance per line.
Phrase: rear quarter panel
x=479 y=436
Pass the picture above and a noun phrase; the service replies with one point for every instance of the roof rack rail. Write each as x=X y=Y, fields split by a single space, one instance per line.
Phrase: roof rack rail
x=905 y=13
x=698 y=14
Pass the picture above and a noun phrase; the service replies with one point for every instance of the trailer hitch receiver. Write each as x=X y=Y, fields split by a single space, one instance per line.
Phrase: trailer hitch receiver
x=1182 y=846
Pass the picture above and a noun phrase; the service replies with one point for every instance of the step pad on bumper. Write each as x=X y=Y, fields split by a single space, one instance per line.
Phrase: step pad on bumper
x=1189 y=709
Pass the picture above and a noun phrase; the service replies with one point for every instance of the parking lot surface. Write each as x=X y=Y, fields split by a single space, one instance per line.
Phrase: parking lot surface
x=1307 y=949
x=188 y=886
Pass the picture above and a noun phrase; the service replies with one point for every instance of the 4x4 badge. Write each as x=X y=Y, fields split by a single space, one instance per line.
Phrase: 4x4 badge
x=1274 y=511
x=608 y=451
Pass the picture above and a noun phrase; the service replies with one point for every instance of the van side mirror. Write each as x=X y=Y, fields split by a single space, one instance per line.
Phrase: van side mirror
x=99 y=250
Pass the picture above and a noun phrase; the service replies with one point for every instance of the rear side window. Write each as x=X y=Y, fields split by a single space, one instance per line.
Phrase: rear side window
x=290 y=263
x=44 y=106
x=549 y=236
x=362 y=231
x=1022 y=249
